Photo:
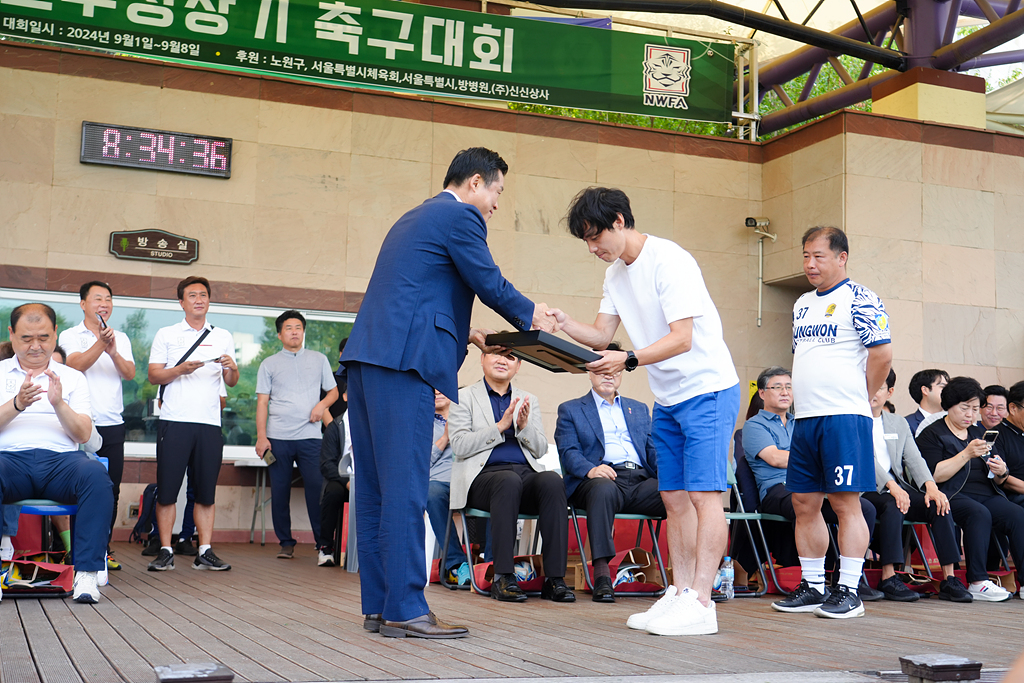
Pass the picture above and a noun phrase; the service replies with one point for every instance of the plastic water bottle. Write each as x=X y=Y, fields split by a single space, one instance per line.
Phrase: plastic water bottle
x=728 y=574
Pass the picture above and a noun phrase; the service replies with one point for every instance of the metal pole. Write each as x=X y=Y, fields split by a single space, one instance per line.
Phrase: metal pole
x=760 y=276
x=824 y=104
x=979 y=42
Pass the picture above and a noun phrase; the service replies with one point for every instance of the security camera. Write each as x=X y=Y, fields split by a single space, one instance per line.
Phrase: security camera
x=757 y=222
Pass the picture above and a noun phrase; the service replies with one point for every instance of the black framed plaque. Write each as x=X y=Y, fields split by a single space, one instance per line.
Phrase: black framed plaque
x=545 y=350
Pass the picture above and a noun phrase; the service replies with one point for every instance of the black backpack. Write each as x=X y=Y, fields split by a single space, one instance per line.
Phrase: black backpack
x=147 y=516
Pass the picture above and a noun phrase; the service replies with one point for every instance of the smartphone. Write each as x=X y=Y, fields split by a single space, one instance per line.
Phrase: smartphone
x=103 y=323
x=269 y=458
x=990 y=436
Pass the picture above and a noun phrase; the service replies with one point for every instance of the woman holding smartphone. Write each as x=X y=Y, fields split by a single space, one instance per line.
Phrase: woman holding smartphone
x=968 y=469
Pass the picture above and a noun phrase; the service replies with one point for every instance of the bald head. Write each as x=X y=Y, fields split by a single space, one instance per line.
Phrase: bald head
x=33 y=333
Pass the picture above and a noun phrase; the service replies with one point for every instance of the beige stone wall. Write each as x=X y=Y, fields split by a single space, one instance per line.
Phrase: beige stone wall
x=933 y=229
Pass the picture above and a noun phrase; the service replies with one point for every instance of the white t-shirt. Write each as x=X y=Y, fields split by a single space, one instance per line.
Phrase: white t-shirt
x=38 y=426
x=104 y=379
x=664 y=284
x=194 y=397
x=832 y=332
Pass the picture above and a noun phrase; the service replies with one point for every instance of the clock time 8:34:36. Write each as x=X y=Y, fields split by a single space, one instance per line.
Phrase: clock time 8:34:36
x=155 y=149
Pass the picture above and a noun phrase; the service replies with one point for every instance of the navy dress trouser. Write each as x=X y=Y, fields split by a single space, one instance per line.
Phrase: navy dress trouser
x=305 y=452
x=392 y=425
x=71 y=478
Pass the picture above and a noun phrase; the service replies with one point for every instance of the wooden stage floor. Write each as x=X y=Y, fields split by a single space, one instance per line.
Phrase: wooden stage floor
x=277 y=620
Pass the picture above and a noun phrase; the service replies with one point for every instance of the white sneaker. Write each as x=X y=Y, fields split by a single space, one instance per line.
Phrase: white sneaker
x=324 y=559
x=987 y=591
x=685 y=617
x=86 y=589
x=639 y=621
x=6 y=549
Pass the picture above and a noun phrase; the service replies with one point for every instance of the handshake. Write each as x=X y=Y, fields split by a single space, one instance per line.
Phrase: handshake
x=548 y=319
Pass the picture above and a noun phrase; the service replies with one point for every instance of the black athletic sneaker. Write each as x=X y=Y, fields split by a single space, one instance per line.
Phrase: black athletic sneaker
x=164 y=562
x=895 y=589
x=842 y=603
x=803 y=599
x=152 y=548
x=954 y=590
x=185 y=547
x=210 y=562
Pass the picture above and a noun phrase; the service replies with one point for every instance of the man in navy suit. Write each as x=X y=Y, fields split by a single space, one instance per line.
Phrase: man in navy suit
x=609 y=465
x=410 y=338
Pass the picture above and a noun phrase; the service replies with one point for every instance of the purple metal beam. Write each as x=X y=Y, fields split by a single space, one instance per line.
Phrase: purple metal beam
x=1012 y=7
x=993 y=59
x=800 y=61
x=868 y=66
x=923 y=32
x=812 y=76
x=954 y=12
x=823 y=104
x=979 y=42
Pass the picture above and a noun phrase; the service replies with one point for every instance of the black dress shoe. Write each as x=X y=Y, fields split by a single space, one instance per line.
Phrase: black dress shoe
x=556 y=590
x=427 y=626
x=505 y=589
x=603 y=591
x=372 y=622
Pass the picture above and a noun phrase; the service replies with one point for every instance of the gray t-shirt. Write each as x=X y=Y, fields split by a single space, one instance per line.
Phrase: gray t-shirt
x=294 y=381
x=440 y=461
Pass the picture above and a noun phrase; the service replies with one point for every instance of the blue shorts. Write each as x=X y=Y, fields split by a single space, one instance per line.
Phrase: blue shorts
x=692 y=439
x=831 y=453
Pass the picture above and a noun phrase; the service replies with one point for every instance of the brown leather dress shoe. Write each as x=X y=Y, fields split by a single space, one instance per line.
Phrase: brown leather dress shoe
x=372 y=622
x=427 y=626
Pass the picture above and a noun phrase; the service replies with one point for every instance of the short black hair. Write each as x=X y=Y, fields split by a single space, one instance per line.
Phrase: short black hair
x=890 y=380
x=59 y=350
x=83 y=291
x=193 y=280
x=768 y=373
x=924 y=378
x=6 y=350
x=961 y=390
x=890 y=407
x=290 y=315
x=469 y=162
x=595 y=209
x=837 y=241
x=1016 y=394
x=341 y=345
x=995 y=390
x=27 y=309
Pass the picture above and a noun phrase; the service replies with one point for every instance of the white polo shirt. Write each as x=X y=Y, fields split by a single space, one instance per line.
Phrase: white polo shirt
x=662 y=285
x=104 y=379
x=194 y=397
x=38 y=426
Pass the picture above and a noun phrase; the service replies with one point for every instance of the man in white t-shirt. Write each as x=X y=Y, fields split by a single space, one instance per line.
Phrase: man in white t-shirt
x=655 y=288
x=190 y=361
x=105 y=356
x=44 y=415
x=842 y=352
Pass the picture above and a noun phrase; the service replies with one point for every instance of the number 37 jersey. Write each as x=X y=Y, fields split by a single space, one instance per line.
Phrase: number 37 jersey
x=832 y=332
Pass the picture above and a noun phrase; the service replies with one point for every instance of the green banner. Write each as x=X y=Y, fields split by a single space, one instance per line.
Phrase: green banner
x=403 y=47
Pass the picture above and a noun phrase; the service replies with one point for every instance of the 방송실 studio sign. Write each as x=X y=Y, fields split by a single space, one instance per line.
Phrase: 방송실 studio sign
x=402 y=47
x=154 y=245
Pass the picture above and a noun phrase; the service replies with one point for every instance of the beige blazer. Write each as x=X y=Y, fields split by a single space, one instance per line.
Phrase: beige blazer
x=473 y=435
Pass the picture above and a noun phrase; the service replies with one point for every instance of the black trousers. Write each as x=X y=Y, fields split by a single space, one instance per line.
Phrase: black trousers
x=113 y=451
x=508 y=489
x=976 y=517
x=889 y=532
x=632 y=491
x=334 y=496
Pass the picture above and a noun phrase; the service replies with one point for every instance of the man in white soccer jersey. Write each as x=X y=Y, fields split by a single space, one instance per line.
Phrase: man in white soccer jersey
x=841 y=357
x=655 y=288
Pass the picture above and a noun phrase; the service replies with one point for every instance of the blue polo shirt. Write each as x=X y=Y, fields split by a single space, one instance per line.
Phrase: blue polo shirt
x=509 y=451
x=763 y=430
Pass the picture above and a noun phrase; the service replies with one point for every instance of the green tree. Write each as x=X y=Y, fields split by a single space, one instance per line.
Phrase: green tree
x=654 y=122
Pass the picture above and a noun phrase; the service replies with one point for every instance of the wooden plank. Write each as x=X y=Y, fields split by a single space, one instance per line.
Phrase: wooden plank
x=88 y=660
x=51 y=660
x=131 y=651
x=16 y=662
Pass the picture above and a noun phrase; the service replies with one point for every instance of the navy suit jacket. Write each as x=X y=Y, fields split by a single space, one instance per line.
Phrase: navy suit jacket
x=579 y=437
x=416 y=310
x=914 y=420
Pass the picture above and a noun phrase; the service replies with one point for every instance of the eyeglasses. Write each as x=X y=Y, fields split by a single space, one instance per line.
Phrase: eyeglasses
x=781 y=387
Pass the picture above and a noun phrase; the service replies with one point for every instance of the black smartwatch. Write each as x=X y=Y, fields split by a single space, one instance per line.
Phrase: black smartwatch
x=631 y=361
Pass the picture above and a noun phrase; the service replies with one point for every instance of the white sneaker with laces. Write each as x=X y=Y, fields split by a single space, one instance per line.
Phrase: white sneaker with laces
x=325 y=559
x=639 y=621
x=685 y=617
x=86 y=588
x=987 y=591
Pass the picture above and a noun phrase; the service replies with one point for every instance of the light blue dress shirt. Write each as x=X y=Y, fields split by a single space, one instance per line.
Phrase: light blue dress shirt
x=618 y=445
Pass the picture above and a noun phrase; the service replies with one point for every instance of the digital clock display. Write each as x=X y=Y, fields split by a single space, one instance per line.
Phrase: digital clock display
x=158 y=150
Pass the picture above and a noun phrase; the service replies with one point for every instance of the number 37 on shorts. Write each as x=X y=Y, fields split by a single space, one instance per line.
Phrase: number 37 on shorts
x=844 y=475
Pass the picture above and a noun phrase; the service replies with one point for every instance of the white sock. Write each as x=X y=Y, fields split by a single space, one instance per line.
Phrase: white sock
x=850 y=571
x=167 y=548
x=812 y=570
x=203 y=549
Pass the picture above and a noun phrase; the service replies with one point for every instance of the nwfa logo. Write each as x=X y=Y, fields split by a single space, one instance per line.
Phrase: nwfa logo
x=666 y=76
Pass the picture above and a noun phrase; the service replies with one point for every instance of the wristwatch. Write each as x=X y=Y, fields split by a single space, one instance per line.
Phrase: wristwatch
x=632 y=363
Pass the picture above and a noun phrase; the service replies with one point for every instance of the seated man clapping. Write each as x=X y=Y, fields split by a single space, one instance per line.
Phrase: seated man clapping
x=497 y=441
